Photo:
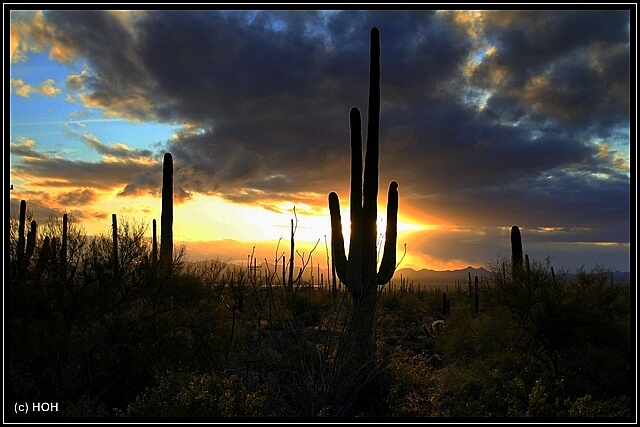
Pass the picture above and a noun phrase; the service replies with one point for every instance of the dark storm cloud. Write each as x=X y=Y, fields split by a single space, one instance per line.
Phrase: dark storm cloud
x=264 y=99
x=569 y=65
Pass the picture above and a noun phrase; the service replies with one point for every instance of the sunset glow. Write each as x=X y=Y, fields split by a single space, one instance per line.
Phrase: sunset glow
x=481 y=129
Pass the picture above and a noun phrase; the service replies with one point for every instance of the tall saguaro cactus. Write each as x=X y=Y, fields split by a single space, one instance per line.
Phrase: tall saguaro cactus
x=358 y=271
x=516 y=249
x=166 y=218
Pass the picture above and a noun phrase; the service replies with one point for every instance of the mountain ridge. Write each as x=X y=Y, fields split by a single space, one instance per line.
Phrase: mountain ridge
x=408 y=275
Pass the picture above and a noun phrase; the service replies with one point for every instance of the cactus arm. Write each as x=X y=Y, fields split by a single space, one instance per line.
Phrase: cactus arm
x=388 y=264
x=337 y=239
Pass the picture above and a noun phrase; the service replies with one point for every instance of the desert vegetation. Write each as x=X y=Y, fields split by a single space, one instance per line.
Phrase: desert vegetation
x=106 y=336
x=108 y=326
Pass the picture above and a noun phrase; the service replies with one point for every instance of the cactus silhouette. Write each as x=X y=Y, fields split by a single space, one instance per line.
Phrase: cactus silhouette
x=358 y=271
x=26 y=244
x=476 y=297
x=21 y=238
x=166 y=219
x=114 y=229
x=446 y=304
x=516 y=249
x=63 y=248
x=54 y=248
x=154 y=243
x=43 y=258
x=31 y=242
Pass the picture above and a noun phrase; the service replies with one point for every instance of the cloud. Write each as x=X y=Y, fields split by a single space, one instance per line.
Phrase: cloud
x=22 y=89
x=117 y=152
x=115 y=171
x=77 y=81
x=78 y=197
x=25 y=148
x=482 y=246
x=488 y=118
x=46 y=88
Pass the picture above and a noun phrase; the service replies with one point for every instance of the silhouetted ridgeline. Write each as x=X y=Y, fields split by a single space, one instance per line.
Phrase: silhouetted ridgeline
x=424 y=276
x=427 y=276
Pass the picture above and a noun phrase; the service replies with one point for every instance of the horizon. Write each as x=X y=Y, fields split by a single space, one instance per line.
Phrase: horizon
x=488 y=120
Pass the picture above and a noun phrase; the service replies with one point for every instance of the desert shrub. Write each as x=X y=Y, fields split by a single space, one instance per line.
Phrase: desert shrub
x=89 y=338
x=209 y=395
x=414 y=385
x=544 y=342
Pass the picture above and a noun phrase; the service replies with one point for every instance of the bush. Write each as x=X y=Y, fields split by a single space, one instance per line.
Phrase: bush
x=543 y=344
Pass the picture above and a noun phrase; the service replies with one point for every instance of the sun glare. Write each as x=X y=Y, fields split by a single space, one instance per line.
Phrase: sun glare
x=211 y=218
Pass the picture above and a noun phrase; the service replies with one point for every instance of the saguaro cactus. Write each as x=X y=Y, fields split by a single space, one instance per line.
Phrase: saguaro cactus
x=166 y=219
x=26 y=244
x=516 y=249
x=21 y=228
x=43 y=258
x=476 y=297
x=114 y=230
x=358 y=272
x=31 y=241
x=154 y=243
x=63 y=248
x=446 y=304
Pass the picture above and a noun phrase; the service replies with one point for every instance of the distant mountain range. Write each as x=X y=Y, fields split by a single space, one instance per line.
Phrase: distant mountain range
x=425 y=276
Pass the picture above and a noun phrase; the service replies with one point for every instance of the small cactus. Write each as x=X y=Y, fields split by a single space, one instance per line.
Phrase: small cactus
x=63 y=248
x=21 y=238
x=31 y=242
x=446 y=304
x=476 y=298
x=26 y=244
x=43 y=258
x=114 y=226
x=54 y=248
x=64 y=245
x=516 y=249
x=154 y=243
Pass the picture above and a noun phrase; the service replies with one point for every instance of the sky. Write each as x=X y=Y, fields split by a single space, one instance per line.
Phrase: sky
x=488 y=119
